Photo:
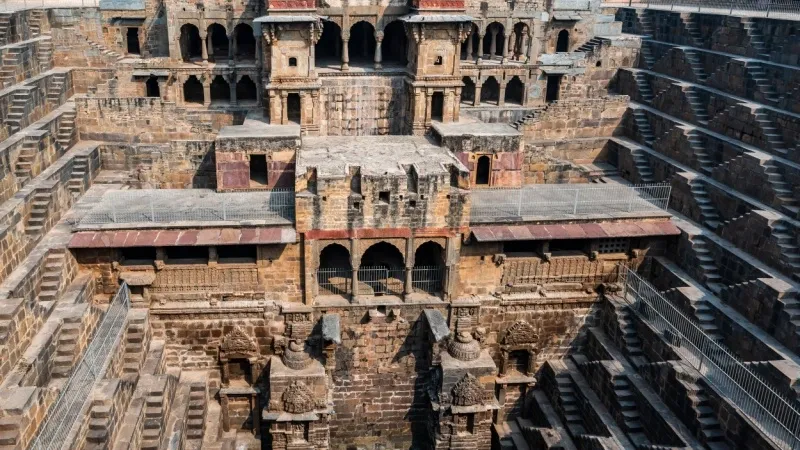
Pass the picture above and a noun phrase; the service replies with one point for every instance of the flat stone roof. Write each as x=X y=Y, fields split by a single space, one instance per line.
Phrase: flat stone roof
x=122 y=5
x=475 y=128
x=257 y=129
x=375 y=155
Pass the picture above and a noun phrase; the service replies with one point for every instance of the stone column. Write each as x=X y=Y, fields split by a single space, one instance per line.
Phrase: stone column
x=428 y=102
x=231 y=46
x=256 y=415
x=205 y=46
x=477 y=100
x=526 y=38
x=207 y=92
x=480 y=49
x=210 y=46
x=232 y=85
x=355 y=264
x=226 y=418
x=408 y=287
x=501 y=98
x=378 y=51
x=447 y=108
x=493 y=44
x=469 y=46
x=507 y=53
x=259 y=51
x=457 y=112
x=345 y=54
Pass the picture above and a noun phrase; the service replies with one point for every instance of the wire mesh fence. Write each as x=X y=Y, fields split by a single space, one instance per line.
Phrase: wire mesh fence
x=559 y=200
x=776 y=415
x=66 y=411
x=785 y=9
x=191 y=205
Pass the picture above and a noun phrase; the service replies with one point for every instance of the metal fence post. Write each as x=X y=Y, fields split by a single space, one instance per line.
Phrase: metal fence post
x=519 y=202
x=152 y=209
x=575 y=204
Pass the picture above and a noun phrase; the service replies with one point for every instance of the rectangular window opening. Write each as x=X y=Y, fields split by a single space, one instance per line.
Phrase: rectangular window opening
x=187 y=255
x=237 y=254
x=258 y=170
x=132 y=256
x=383 y=197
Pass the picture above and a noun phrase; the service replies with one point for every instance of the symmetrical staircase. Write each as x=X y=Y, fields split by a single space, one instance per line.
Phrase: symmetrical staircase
x=45 y=55
x=756 y=71
x=706 y=164
x=11 y=60
x=37 y=16
x=646 y=23
x=709 y=426
x=790 y=253
x=590 y=46
x=632 y=342
x=76 y=179
x=643 y=85
x=708 y=213
x=35 y=227
x=24 y=165
x=56 y=89
x=647 y=56
x=642 y=167
x=756 y=38
x=195 y=422
x=643 y=125
x=699 y=110
x=5 y=24
x=694 y=62
x=771 y=133
x=782 y=189
x=9 y=432
x=628 y=410
x=67 y=349
x=16 y=115
x=52 y=276
x=569 y=405
x=66 y=130
x=705 y=319
x=707 y=265
x=692 y=29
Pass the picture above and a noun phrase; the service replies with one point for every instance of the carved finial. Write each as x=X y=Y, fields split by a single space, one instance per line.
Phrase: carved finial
x=298 y=398
x=464 y=347
x=468 y=391
x=521 y=333
x=238 y=342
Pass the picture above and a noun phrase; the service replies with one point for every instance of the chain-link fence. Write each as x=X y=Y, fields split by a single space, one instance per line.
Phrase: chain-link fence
x=66 y=411
x=18 y=5
x=566 y=200
x=780 y=9
x=777 y=416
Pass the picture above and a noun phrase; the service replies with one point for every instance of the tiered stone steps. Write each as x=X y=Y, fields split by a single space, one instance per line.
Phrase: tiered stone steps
x=643 y=125
x=707 y=265
x=789 y=251
x=783 y=190
x=756 y=37
x=756 y=71
x=708 y=212
x=25 y=160
x=77 y=178
x=5 y=24
x=771 y=133
x=36 y=225
x=45 y=55
x=11 y=60
x=52 y=276
x=36 y=17
x=710 y=428
x=198 y=407
x=698 y=109
x=697 y=66
x=67 y=349
x=66 y=130
x=18 y=111
x=9 y=432
x=644 y=86
x=56 y=89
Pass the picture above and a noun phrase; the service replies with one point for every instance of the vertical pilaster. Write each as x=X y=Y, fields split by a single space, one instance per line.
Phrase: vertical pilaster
x=206 y=91
x=477 y=100
x=205 y=47
x=232 y=84
x=480 y=49
x=378 y=51
x=345 y=55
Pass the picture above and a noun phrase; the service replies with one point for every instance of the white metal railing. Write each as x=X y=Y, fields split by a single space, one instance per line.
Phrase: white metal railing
x=379 y=280
x=776 y=415
x=428 y=279
x=566 y=200
x=191 y=205
x=335 y=281
x=66 y=411
x=755 y=8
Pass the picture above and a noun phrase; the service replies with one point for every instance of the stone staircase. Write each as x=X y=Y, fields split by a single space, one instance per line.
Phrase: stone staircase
x=99 y=422
x=76 y=183
x=633 y=344
x=756 y=37
x=36 y=18
x=11 y=60
x=771 y=133
x=135 y=345
x=511 y=434
x=52 y=276
x=45 y=55
x=23 y=168
x=67 y=349
x=590 y=46
x=783 y=190
x=629 y=412
x=16 y=115
x=694 y=62
x=35 y=227
x=643 y=125
x=66 y=130
x=709 y=427
x=692 y=29
x=9 y=432
x=705 y=163
x=707 y=265
x=102 y=49
x=756 y=71
x=56 y=89
x=196 y=416
x=698 y=108
x=645 y=23
x=643 y=85
x=642 y=167
x=573 y=418
x=708 y=213
x=647 y=56
x=156 y=412
x=5 y=24
x=704 y=314
x=790 y=253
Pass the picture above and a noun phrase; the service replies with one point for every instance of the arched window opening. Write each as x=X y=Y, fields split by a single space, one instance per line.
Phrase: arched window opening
x=483 y=170
x=153 y=89
x=468 y=91
x=382 y=270
x=293 y=110
x=469 y=48
x=220 y=90
x=191 y=44
x=490 y=91
x=245 y=42
x=494 y=41
x=428 y=272
x=361 y=46
x=437 y=106
x=520 y=41
x=246 y=91
x=514 y=91
x=132 y=39
x=562 y=44
x=395 y=44
x=217 y=42
x=328 y=50
x=193 y=91
x=335 y=273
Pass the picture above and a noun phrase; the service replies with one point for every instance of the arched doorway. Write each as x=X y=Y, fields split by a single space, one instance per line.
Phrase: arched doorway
x=245 y=42
x=220 y=90
x=515 y=90
x=520 y=40
x=469 y=48
x=428 y=272
x=562 y=44
x=395 y=44
x=468 y=91
x=246 y=91
x=153 y=89
x=193 y=91
x=490 y=91
x=361 y=47
x=132 y=39
x=218 y=44
x=382 y=270
x=335 y=273
x=328 y=50
x=190 y=42
x=483 y=170
x=494 y=42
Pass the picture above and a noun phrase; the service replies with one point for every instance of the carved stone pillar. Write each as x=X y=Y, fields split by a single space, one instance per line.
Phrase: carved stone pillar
x=207 y=92
x=226 y=417
x=477 y=100
x=231 y=46
x=428 y=103
x=345 y=55
x=205 y=47
x=501 y=98
x=447 y=113
x=355 y=264
x=493 y=44
x=526 y=37
x=480 y=48
x=508 y=50
x=256 y=408
x=378 y=52
x=284 y=108
x=232 y=85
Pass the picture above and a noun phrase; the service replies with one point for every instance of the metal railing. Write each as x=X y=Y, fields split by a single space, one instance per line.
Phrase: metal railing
x=566 y=200
x=335 y=281
x=427 y=279
x=755 y=8
x=777 y=416
x=191 y=205
x=17 y=5
x=380 y=280
x=66 y=411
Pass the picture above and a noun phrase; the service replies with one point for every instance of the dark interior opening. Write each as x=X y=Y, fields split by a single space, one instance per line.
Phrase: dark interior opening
x=193 y=91
x=361 y=46
x=490 y=91
x=527 y=247
x=518 y=361
x=553 y=88
x=437 y=106
x=220 y=90
x=237 y=254
x=329 y=46
x=133 y=41
x=395 y=43
x=500 y=40
x=334 y=256
x=562 y=44
x=239 y=372
x=567 y=247
x=191 y=44
x=293 y=110
x=383 y=197
x=246 y=90
x=483 y=170
x=153 y=89
x=292 y=62
x=187 y=255
x=217 y=42
x=245 y=42
x=384 y=255
x=429 y=254
x=470 y=46
x=514 y=91
x=468 y=91
x=132 y=256
x=258 y=170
